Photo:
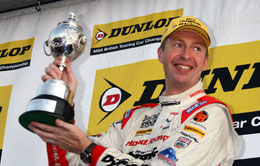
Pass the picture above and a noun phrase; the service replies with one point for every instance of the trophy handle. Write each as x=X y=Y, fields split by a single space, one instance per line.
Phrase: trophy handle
x=45 y=44
x=83 y=40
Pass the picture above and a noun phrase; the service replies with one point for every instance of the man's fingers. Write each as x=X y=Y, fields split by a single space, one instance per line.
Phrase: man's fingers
x=43 y=130
x=46 y=77
x=50 y=72
x=64 y=125
x=53 y=71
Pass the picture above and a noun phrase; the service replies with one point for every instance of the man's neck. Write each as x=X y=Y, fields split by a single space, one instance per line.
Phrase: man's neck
x=174 y=89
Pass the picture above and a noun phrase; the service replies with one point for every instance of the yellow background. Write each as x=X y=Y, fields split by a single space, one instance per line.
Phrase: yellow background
x=4 y=103
x=240 y=100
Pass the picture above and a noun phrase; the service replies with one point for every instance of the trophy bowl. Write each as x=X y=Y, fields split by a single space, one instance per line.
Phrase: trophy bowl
x=54 y=100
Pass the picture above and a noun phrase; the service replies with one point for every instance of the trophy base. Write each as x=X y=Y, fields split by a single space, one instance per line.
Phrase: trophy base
x=40 y=116
x=46 y=109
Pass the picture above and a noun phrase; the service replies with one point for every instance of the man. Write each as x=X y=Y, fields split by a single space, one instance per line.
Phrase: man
x=186 y=128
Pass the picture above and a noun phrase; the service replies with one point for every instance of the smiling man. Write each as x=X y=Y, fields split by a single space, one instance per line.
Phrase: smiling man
x=183 y=57
x=186 y=128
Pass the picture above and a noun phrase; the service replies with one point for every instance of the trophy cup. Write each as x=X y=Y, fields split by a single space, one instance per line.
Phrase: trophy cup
x=54 y=99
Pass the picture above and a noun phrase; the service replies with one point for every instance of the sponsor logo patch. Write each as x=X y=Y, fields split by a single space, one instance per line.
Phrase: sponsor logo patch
x=189 y=136
x=169 y=155
x=162 y=138
x=142 y=132
x=128 y=113
x=202 y=116
x=149 y=121
x=147 y=155
x=170 y=103
x=194 y=130
x=196 y=93
x=195 y=106
x=110 y=160
x=182 y=142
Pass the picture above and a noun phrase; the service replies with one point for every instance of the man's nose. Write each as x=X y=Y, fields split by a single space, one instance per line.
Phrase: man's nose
x=186 y=54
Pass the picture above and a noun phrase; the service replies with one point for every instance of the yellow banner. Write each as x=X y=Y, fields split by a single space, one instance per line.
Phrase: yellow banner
x=4 y=104
x=16 y=51
x=232 y=76
x=15 y=54
x=132 y=32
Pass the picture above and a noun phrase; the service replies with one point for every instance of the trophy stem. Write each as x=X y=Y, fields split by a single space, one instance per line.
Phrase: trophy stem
x=62 y=64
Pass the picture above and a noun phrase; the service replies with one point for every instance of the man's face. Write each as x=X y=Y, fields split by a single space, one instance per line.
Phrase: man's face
x=183 y=58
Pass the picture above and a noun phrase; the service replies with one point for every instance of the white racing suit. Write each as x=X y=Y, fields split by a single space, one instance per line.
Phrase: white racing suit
x=188 y=129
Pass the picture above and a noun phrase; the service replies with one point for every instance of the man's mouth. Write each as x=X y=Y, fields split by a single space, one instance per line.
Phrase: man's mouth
x=183 y=67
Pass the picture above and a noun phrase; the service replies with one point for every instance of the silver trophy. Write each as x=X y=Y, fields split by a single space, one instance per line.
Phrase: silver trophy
x=54 y=98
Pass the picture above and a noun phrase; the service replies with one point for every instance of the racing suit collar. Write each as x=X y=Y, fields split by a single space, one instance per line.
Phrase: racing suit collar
x=191 y=94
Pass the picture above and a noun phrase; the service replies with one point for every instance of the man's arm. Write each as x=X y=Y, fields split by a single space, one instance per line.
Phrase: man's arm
x=67 y=138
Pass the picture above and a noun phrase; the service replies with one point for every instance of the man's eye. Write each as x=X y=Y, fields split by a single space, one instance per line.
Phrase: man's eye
x=197 y=48
x=178 y=45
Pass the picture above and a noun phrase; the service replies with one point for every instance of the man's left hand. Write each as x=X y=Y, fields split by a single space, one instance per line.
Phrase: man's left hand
x=67 y=136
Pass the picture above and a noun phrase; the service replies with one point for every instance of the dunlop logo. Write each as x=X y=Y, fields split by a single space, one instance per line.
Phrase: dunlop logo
x=131 y=33
x=16 y=54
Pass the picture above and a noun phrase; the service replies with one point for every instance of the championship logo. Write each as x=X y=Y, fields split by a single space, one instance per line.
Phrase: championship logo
x=4 y=104
x=16 y=54
x=131 y=33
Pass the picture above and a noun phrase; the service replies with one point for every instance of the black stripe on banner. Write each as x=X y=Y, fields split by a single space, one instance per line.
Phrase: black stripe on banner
x=0 y=155
x=126 y=45
x=247 y=123
x=14 y=66
x=247 y=162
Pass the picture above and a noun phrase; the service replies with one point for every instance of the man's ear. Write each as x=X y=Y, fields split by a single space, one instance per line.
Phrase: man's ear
x=206 y=62
x=159 y=53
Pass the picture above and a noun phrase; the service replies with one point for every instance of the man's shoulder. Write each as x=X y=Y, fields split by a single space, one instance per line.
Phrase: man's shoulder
x=208 y=103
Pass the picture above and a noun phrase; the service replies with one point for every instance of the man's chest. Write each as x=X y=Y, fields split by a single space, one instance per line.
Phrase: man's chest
x=151 y=131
